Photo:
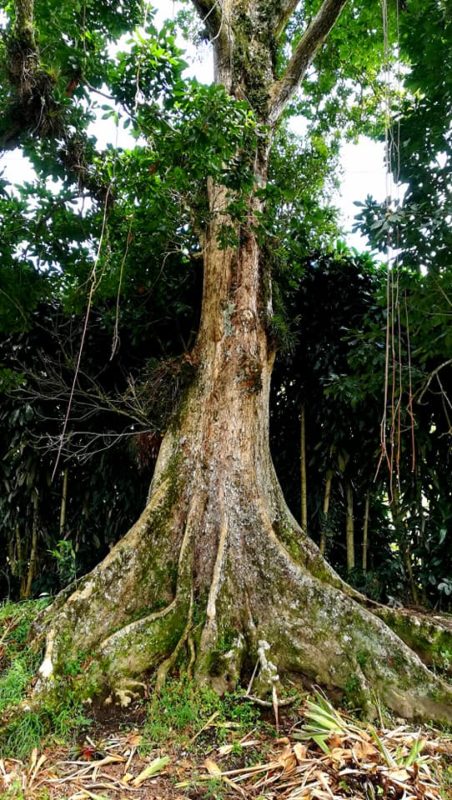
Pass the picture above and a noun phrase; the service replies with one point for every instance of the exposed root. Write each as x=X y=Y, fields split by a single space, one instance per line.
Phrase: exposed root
x=429 y=636
x=267 y=677
x=140 y=646
x=210 y=629
x=192 y=659
x=267 y=601
x=132 y=579
x=283 y=703
x=128 y=692
x=169 y=663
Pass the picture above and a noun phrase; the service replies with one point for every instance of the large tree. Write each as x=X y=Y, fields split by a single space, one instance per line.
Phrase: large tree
x=217 y=570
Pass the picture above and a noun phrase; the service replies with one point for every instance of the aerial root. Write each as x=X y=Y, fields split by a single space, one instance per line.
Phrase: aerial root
x=267 y=672
x=210 y=629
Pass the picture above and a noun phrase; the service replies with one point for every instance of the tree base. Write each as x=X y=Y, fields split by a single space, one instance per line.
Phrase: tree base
x=261 y=601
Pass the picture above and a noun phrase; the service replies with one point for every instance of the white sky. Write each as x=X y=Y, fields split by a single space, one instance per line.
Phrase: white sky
x=362 y=164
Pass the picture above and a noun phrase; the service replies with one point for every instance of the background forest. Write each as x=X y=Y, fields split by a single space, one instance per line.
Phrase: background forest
x=100 y=274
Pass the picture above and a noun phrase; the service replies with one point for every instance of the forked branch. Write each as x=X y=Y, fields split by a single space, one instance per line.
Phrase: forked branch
x=310 y=42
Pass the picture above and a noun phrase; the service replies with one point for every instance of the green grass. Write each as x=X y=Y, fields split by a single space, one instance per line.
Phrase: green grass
x=15 y=792
x=14 y=683
x=58 y=718
x=18 y=662
x=54 y=723
x=182 y=709
x=445 y=781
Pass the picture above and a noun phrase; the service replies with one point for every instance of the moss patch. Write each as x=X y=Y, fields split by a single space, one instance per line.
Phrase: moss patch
x=432 y=644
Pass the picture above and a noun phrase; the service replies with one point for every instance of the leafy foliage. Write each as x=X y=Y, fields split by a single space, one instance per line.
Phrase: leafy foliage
x=421 y=155
x=336 y=370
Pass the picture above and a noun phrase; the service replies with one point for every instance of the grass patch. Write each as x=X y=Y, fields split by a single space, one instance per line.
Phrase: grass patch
x=16 y=792
x=18 y=662
x=55 y=723
x=60 y=716
x=182 y=708
x=445 y=780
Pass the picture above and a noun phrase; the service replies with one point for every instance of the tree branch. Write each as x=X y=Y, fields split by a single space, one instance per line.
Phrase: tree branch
x=210 y=12
x=305 y=51
x=284 y=14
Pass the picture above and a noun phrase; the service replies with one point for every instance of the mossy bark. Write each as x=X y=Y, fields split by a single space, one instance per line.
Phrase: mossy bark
x=216 y=573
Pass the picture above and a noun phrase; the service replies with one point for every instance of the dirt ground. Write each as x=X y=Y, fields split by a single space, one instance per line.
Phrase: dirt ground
x=315 y=753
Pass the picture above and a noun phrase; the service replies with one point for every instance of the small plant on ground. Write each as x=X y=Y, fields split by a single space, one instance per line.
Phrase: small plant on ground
x=66 y=561
x=215 y=789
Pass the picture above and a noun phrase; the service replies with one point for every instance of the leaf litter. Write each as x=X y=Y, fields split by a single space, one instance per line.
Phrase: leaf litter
x=324 y=756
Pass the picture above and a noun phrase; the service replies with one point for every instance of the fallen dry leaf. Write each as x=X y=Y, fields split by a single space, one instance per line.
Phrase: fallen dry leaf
x=287 y=759
x=364 y=751
x=300 y=751
x=156 y=766
x=212 y=767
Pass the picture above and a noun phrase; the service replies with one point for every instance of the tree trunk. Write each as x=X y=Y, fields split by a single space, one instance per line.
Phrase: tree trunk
x=33 y=549
x=218 y=547
x=303 y=479
x=350 y=527
x=365 y=532
x=216 y=572
x=18 y=562
x=326 y=508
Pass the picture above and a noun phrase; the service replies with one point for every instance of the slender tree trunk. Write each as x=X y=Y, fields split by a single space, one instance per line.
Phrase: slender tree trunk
x=350 y=527
x=33 y=549
x=366 y=532
x=326 y=508
x=17 y=562
x=403 y=541
x=303 y=479
x=63 y=502
x=11 y=545
x=21 y=561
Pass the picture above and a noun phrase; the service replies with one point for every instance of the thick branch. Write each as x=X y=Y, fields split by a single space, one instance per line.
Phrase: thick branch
x=305 y=51
x=213 y=14
x=284 y=14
